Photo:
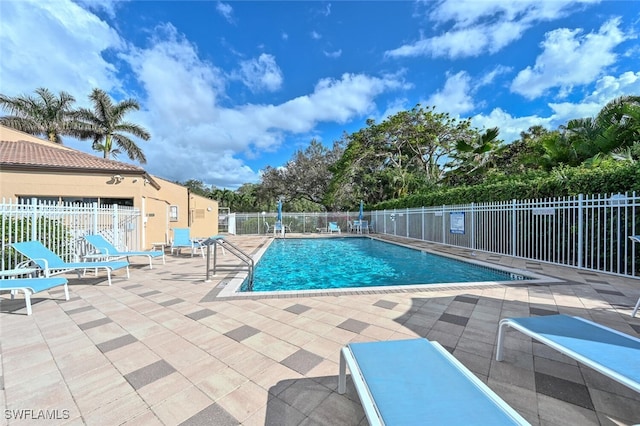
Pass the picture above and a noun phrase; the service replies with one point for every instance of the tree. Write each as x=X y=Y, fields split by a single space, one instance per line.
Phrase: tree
x=523 y=154
x=196 y=186
x=305 y=177
x=106 y=127
x=468 y=159
x=44 y=115
x=401 y=155
x=615 y=127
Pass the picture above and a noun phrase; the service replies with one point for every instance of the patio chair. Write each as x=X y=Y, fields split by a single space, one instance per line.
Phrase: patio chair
x=371 y=227
x=278 y=228
x=417 y=382
x=107 y=251
x=333 y=227
x=51 y=264
x=30 y=286
x=607 y=351
x=182 y=239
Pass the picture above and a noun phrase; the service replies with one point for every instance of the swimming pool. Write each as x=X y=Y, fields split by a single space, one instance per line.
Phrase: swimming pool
x=338 y=263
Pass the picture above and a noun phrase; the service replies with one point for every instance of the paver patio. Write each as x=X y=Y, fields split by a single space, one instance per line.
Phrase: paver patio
x=161 y=349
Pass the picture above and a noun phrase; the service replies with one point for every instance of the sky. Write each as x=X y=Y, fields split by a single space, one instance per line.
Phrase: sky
x=229 y=88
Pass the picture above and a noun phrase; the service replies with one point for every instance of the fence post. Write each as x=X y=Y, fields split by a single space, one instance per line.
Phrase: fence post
x=444 y=225
x=633 y=232
x=116 y=236
x=34 y=218
x=384 y=221
x=95 y=218
x=406 y=226
x=473 y=228
x=395 y=221
x=514 y=224
x=423 y=224
x=580 y=230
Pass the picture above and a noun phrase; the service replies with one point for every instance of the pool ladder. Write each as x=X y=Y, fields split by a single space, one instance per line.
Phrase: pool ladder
x=246 y=261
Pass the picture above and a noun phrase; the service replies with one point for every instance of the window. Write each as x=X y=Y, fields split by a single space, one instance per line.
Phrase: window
x=77 y=200
x=173 y=213
x=119 y=201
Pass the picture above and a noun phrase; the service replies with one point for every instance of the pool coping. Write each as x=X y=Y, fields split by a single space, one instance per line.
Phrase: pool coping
x=229 y=288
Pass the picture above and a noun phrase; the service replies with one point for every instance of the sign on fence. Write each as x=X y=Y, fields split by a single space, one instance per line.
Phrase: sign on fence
x=457 y=222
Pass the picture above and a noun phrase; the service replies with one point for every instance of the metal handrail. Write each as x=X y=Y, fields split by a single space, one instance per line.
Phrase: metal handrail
x=246 y=259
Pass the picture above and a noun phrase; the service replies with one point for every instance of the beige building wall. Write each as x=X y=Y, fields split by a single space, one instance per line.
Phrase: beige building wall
x=187 y=210
x=18 y=183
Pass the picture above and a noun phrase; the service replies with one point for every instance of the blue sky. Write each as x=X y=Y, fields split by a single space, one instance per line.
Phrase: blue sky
x=227 y=88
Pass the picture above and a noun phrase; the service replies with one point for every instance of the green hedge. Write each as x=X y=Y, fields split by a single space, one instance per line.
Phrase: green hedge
x=565 y=181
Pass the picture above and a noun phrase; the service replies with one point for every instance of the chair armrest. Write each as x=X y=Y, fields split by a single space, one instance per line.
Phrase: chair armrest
x=45 y=270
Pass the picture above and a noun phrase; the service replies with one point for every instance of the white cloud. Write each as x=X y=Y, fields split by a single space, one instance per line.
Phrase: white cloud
x=191 y=127
x=609 y=87
x=193 y=134
x=466 y=42
x=569 y=58
x=226 y=11
x=510 y=126
x=491 y=76
x=316 y=35
x=465 y=13
x=334 y=54
x=261 y=73
x=59 y=45
x=478 y=27
x=606 y=89
x=181 y=89
x=107 y=6
x=455 y=97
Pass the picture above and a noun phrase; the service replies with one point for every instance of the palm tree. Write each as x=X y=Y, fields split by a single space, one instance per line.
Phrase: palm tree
x=44 y=115
x=617 y=125
x=106 y=127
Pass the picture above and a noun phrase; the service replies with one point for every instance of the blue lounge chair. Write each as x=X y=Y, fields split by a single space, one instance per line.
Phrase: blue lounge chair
x=333 y=227
x=30 y=286
x=182 y=239
x=417 y=382
x=51 y=264
x=107 y=251
x=608 y=351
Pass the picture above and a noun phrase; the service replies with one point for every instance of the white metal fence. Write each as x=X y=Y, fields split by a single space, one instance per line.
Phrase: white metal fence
x=61 y=227
x=587 y=232
x=256 y=223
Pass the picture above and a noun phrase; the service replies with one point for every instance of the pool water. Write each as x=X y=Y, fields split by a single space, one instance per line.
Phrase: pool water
x=330 y=263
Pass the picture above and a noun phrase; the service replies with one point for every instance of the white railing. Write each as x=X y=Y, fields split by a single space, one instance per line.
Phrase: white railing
x=301 y=222
x=61 y=227
x=586 y=232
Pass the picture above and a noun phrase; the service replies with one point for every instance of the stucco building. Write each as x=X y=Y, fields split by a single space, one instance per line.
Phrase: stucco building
x=32 y=168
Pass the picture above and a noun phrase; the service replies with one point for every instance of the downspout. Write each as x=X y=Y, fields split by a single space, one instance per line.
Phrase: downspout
x=188 y=208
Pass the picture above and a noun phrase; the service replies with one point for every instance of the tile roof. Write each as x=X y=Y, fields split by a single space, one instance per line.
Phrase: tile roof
x=25 y=154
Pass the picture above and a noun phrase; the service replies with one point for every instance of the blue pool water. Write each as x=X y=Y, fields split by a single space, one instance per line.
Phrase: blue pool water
x=329 y=263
